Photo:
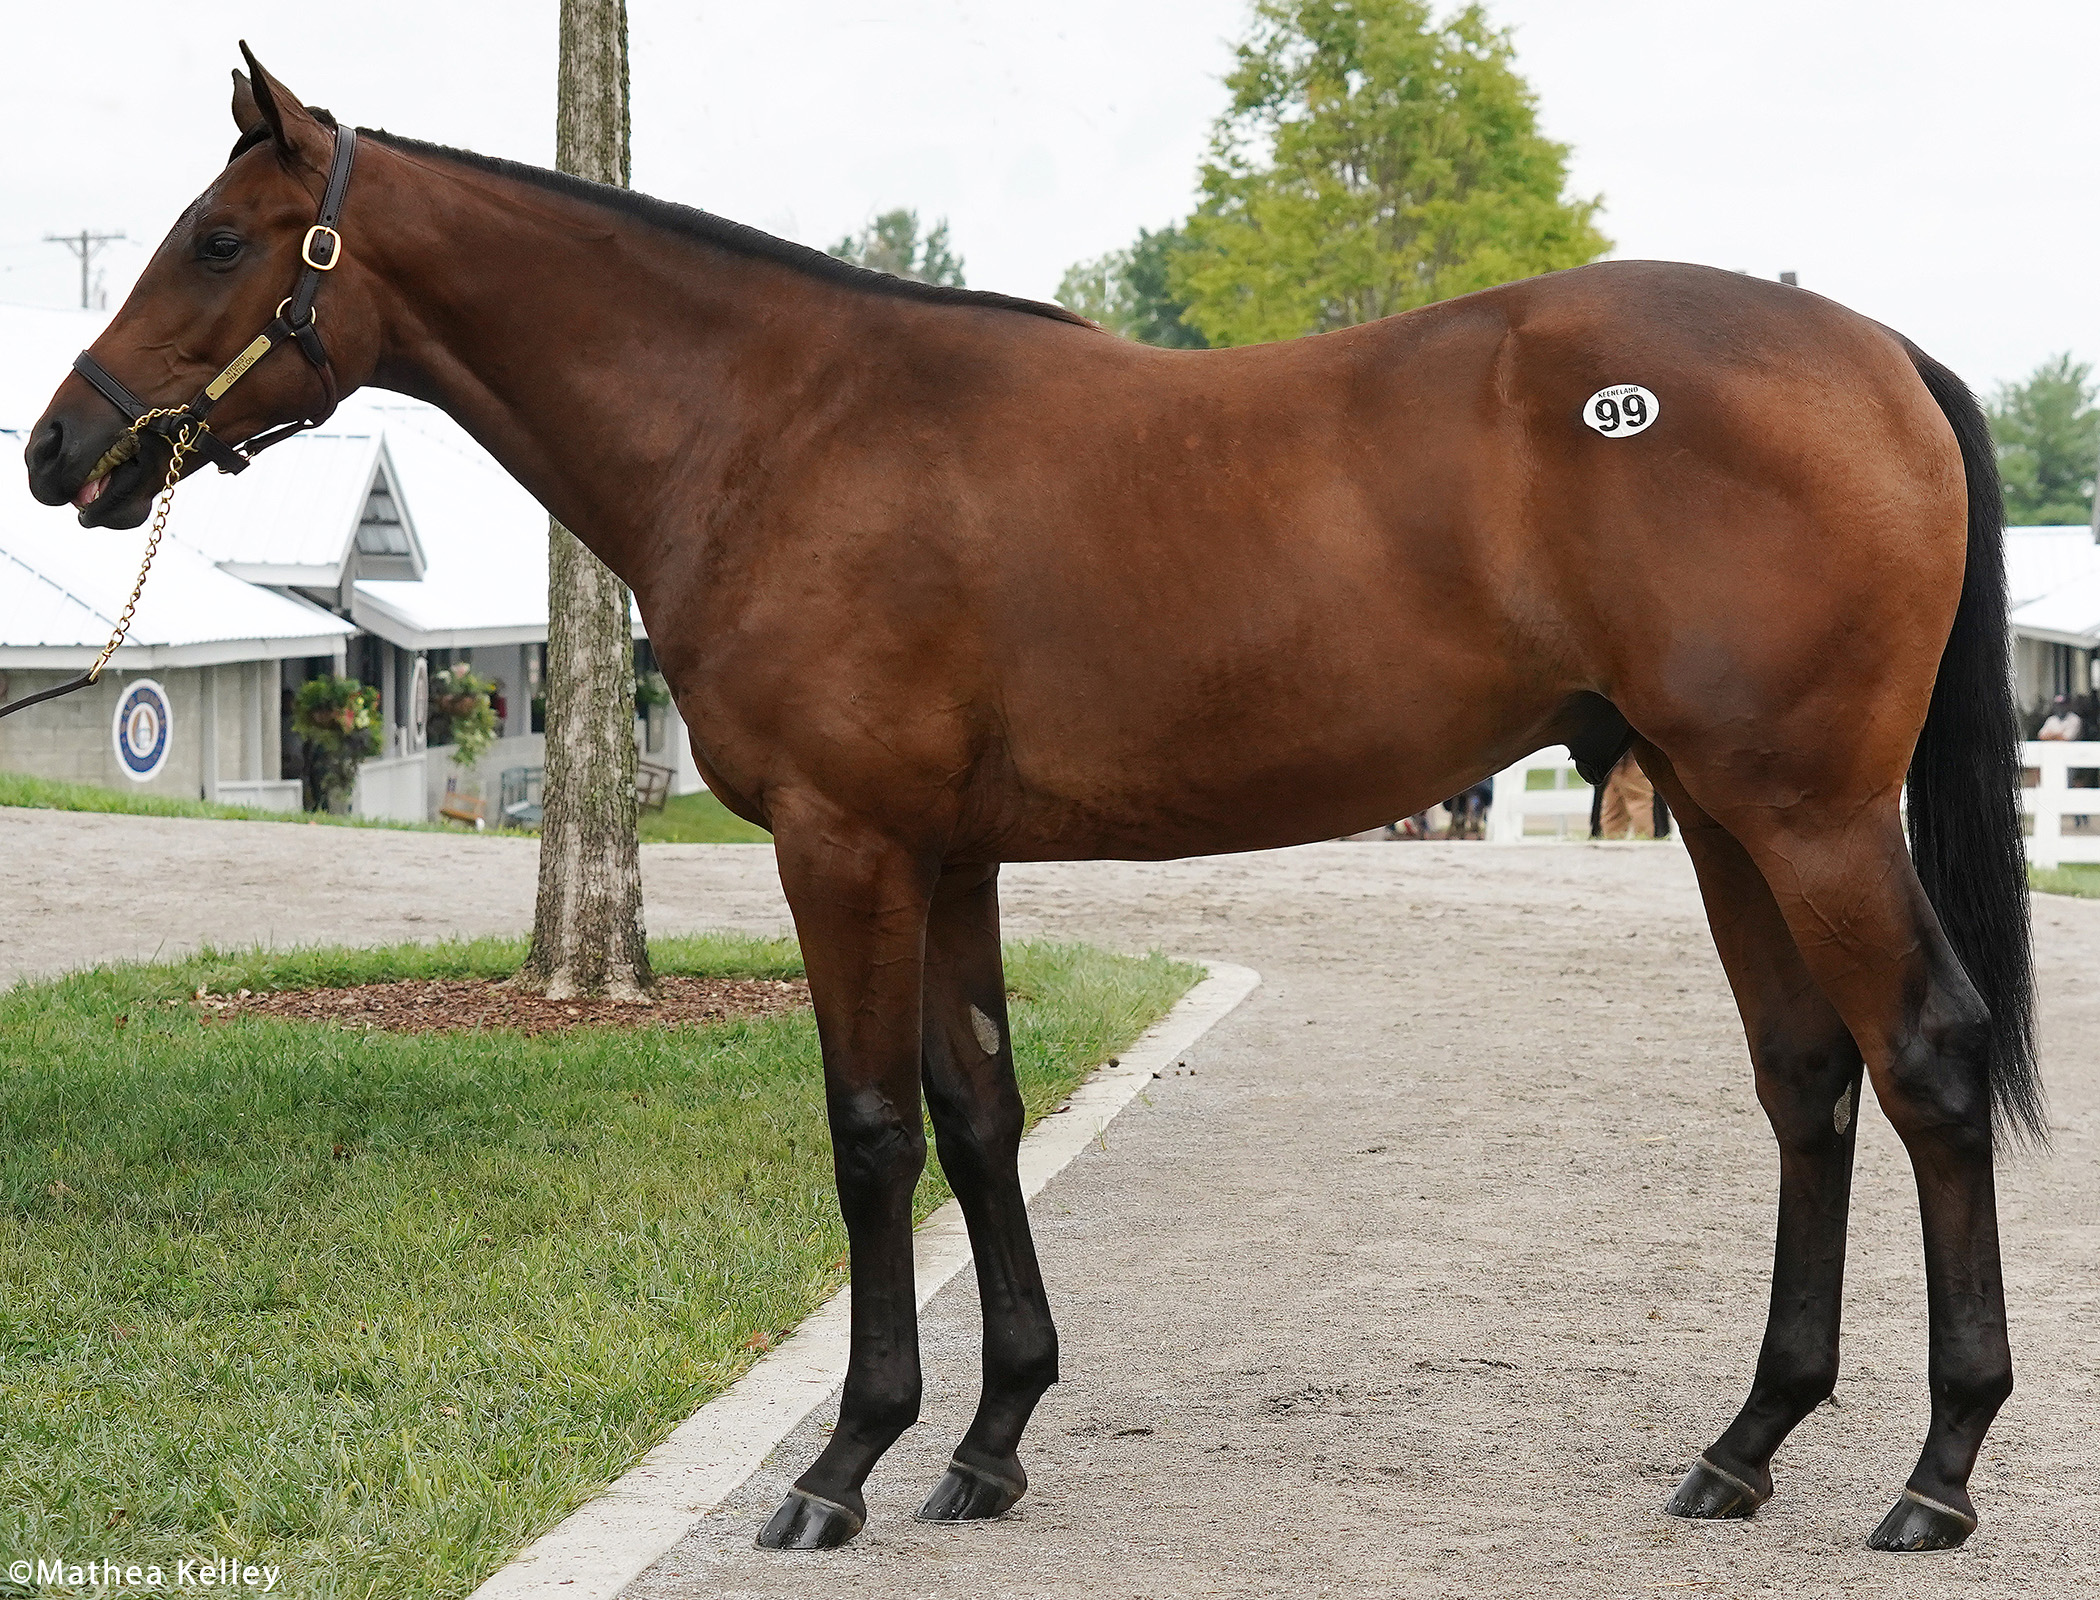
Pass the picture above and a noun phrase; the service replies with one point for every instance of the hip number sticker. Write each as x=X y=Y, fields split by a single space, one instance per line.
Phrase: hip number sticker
x=1620 y=411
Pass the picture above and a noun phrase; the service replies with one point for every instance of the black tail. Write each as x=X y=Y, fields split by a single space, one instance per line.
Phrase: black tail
x=1965 y=783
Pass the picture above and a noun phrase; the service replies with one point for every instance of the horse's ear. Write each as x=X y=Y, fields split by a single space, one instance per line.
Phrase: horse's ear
x=260 y=100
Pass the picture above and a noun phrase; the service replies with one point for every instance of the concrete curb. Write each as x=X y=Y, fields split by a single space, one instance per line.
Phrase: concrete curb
x=606 y=1544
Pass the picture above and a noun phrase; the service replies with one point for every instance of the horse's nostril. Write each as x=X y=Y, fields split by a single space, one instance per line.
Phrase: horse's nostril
x=47 y=446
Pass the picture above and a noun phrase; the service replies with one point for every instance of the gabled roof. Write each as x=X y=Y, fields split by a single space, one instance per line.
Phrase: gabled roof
x=293 y=518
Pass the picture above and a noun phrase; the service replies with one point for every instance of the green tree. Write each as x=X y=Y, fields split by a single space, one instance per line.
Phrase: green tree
x=1130 y=292
x=892 y=243
x=1372 y=160
x=2048 y=436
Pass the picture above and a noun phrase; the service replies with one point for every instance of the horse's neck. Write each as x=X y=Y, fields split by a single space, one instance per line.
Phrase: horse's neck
x=611 y=366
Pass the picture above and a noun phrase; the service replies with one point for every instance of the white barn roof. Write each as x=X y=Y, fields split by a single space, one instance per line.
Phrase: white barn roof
x=2039 y=561
x=62 y=588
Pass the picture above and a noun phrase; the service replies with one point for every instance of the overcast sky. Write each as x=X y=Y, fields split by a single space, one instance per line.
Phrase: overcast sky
x=1931 y=163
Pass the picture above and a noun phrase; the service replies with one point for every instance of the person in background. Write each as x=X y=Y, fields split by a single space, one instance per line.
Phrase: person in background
x=1469 y=811
x=1627 y=806
x=2063 y=721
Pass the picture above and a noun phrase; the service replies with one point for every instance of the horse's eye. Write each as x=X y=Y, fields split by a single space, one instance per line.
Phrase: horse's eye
x=220 y=247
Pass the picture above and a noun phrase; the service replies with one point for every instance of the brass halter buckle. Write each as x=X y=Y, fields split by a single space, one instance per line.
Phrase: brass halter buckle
x=335 y=247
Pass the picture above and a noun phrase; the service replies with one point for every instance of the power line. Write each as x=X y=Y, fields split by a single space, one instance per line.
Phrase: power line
x=85 y=245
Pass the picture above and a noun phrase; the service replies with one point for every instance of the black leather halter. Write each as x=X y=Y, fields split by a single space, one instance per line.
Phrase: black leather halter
x=320 y=250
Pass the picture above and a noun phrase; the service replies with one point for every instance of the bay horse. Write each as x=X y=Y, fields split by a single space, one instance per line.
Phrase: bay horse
x=945 y=579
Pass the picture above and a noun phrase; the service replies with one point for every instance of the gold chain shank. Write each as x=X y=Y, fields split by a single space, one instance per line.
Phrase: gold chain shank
x=181 y=446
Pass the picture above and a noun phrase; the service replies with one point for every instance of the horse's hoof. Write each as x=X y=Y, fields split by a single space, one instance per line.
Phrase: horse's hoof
x=1710 y=1494
x=971 y=1494
x=1916 y=1522
x=807 y=1521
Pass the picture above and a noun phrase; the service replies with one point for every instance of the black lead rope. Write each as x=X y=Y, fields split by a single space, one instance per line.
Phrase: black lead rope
x=187 y=428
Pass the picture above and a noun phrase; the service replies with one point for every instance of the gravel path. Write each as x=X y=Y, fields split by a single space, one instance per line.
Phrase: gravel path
x=1428 y=1281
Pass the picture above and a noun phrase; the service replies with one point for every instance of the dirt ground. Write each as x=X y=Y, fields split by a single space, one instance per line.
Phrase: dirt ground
x=1428 y=1282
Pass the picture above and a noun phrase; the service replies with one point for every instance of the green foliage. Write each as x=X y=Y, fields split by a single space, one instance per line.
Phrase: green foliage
x=378 y=1309
x=1372 y=160
x=463 y=711
x=892 y=243
x=2048 y=434
x=650 y=689
x=337 y=721
x=1130 y=292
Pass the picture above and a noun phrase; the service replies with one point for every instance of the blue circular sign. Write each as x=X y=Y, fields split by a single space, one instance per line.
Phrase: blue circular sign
x=144 y=728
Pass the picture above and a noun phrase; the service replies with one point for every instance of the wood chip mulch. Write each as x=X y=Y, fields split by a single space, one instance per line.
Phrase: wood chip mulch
x=448 y=1005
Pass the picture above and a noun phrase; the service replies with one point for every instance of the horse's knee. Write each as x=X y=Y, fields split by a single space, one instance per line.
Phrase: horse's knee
x=875 y=1145
x=1808 y=1084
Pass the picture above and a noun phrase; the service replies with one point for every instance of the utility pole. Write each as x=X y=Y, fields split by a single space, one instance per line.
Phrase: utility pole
x=85 y=245
x=587 y=935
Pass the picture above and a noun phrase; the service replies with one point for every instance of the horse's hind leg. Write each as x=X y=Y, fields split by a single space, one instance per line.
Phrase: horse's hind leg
x=1839 y=869
x=1808 y=1073
x=977 y=1116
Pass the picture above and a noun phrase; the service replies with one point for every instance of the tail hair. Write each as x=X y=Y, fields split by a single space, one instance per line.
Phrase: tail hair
x=1965 y=835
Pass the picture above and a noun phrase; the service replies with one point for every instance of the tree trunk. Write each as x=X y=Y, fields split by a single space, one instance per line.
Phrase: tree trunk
x=587 y=926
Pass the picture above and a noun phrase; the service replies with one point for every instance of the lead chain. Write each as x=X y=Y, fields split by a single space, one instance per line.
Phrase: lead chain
x=181 y=449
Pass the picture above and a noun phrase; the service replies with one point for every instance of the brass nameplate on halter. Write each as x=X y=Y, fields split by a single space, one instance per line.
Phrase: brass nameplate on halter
x=238 y=365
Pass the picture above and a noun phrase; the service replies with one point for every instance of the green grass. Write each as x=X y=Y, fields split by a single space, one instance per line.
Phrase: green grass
x=687 y=819
x=2080 y=878
x=48 y=794
x=378 y=1309
x=699 y=819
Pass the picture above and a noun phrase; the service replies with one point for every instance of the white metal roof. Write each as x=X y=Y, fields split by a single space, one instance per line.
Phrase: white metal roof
x=2052 y=577
x=37 y=347
x=2068 y=615
x=2039 y=561
x=62 y=588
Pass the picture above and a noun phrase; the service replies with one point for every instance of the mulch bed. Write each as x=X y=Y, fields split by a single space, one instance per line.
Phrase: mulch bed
x=452 y=1004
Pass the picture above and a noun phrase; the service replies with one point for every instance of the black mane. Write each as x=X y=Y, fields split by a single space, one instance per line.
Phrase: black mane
x=727 y=235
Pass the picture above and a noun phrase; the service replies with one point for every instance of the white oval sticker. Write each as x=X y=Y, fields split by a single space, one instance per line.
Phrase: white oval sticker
x=143 y=729
x=1620 y=411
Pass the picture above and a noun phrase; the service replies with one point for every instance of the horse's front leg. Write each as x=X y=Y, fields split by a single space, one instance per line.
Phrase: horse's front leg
x=860 y=905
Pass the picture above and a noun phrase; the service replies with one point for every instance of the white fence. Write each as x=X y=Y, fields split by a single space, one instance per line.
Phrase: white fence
x=392 y=790
x=265 y=794
x=1560 y=809
x=2066 y=821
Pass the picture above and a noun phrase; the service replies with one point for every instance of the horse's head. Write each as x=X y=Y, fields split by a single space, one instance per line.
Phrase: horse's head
x=222 y=276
